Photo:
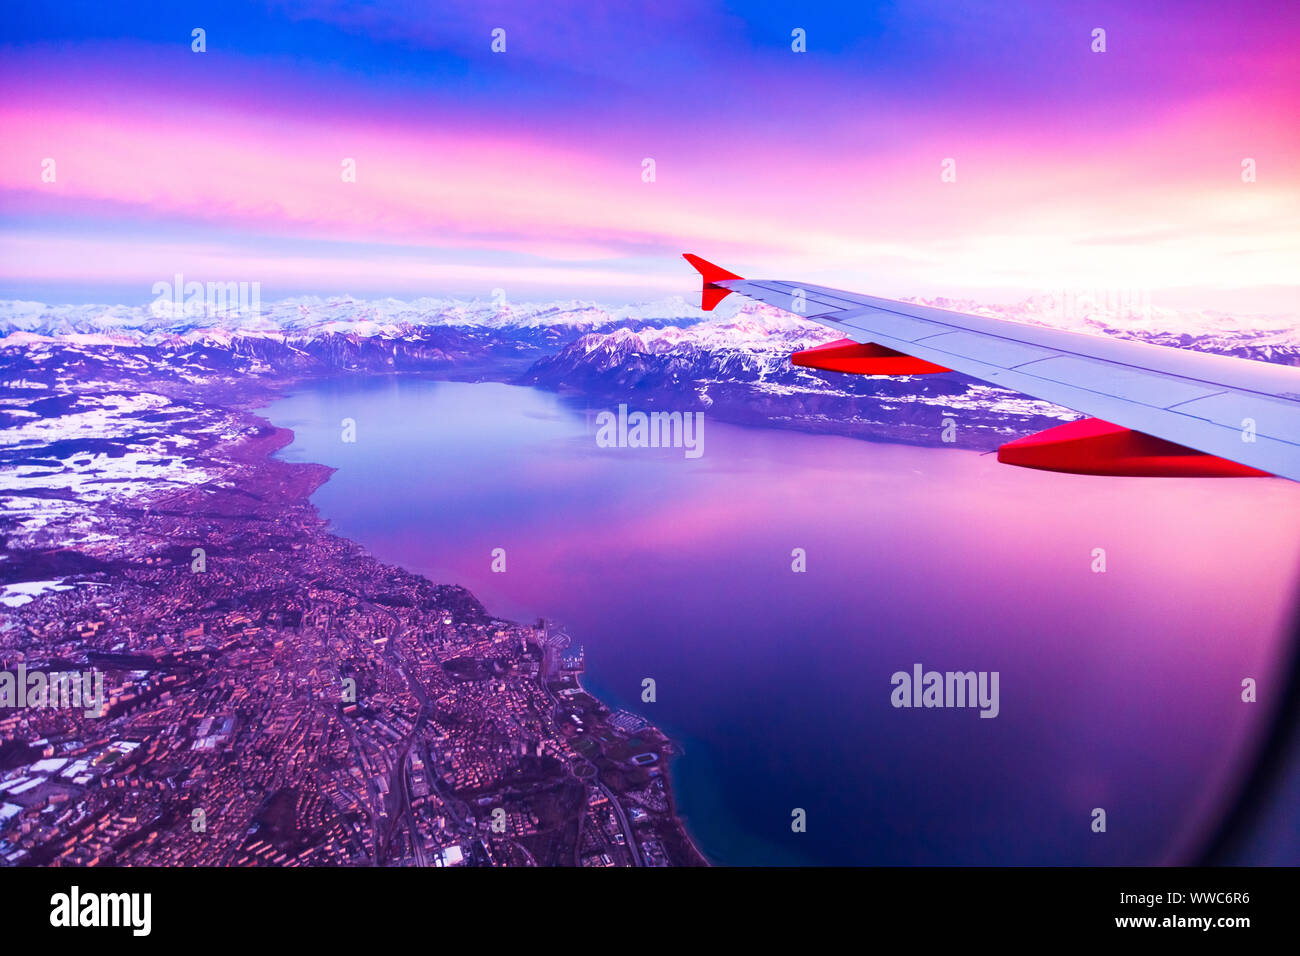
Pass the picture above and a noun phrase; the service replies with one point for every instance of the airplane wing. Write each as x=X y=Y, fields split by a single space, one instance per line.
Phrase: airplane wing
x=1154 y=410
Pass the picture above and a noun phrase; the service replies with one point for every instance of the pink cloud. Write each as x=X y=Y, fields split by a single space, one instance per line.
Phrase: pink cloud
x=1160 y=205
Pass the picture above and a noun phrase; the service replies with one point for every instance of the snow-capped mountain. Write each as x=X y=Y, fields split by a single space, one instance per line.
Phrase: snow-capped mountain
x=733 y=362
x=739 y=370
x=737 y=366
x=306 y=318
x=309 y=317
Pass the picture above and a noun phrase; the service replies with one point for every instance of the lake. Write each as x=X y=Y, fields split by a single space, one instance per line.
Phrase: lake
x=1118 y=689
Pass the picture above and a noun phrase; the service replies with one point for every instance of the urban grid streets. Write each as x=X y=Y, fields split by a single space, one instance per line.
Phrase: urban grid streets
x=272 y=695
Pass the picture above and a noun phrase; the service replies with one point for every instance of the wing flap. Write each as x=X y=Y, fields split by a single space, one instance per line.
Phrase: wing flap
x=1121 y=381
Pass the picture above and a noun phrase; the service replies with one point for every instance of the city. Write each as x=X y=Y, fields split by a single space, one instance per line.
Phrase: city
x=276 y=696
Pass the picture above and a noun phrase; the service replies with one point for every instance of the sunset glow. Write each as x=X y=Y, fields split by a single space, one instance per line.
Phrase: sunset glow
x=523 y=169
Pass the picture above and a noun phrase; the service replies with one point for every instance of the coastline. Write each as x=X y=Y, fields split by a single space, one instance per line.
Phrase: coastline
x=252 y=512
x=276 y=695
x=263 y=449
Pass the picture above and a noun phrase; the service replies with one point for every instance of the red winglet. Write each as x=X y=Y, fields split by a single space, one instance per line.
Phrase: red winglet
x=712 y=294
x=707 y=269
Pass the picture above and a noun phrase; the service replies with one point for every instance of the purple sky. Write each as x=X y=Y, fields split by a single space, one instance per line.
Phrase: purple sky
x=523 y=170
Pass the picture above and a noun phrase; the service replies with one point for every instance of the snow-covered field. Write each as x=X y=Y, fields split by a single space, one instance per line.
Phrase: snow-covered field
x=16 y=595
x=74 y=450
x=59 y=454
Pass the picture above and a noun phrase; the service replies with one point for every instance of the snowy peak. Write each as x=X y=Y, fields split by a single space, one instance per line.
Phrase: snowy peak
x=650 y=328
x=312 y=317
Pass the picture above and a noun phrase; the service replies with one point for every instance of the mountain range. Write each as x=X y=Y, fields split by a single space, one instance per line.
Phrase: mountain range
x=733 y=363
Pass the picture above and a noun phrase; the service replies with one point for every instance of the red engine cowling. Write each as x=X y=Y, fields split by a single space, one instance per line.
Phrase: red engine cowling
x=863 y=358
x=1091 y=446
